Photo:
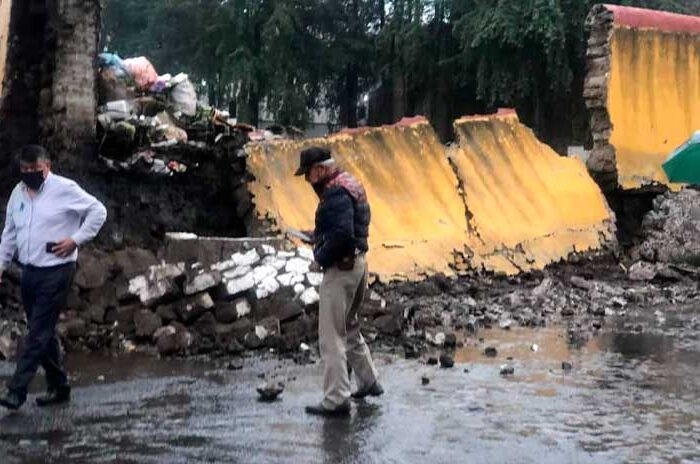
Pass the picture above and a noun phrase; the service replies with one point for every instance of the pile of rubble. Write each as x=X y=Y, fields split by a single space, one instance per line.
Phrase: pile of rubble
x=671 y=229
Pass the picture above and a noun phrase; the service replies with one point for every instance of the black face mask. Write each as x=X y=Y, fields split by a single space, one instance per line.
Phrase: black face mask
x=32 y=180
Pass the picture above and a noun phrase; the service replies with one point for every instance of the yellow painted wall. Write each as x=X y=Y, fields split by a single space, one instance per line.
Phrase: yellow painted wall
x=529 y=206
x=4 y=30
x=653 y=100
x=417 y=215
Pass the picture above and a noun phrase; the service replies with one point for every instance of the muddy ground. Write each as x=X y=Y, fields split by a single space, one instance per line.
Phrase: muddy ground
x=631 y=394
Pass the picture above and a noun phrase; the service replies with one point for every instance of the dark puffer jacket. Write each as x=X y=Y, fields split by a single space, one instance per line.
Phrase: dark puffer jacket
x=342 y=220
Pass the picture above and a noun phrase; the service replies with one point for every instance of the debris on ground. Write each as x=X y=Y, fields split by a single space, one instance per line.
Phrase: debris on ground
x=269 y=391
x=446 y=361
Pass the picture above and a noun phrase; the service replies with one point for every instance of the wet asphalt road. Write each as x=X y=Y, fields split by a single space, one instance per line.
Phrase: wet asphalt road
x=631 y=397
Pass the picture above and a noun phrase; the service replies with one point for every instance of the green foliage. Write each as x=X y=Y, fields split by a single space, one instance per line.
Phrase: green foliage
x=301 y=55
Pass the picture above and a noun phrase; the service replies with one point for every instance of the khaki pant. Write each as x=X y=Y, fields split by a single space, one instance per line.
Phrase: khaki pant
x=340 y=340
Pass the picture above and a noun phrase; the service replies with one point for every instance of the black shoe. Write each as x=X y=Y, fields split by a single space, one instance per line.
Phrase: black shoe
x=321 y=410
x=11 y=401
x=54 y=396
x=374 y=390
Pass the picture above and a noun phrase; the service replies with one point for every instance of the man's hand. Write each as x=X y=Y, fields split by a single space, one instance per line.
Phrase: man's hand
x=64 y=248
x=315 y=267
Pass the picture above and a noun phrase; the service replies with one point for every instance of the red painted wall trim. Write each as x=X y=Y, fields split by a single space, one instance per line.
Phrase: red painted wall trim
x=652 y=19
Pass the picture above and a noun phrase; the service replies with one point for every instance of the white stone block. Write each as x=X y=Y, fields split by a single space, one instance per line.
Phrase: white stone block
x=309 y=296
x=299 y=288
x=246 y=259
x=314 y=278
x=290 y=279
x=138 y=285
x=237 y=272
x=261 y=273
x=223 y=265
x=267 y=287
x=306 y=253
x=286 y=254
x=268 y=249
x=275 y=262
x=298 y=265
x=242 y=307
x=202 y=282
x=166 y=271
x=261 y=332
x=240 y=284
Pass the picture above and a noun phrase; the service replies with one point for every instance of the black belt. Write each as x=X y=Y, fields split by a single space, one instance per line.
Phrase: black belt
x=29 y=267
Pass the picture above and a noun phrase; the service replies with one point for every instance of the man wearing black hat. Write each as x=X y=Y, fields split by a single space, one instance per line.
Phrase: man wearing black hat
x=340 y=244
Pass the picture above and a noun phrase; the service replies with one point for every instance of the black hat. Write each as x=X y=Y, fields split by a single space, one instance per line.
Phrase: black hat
x=311 y=156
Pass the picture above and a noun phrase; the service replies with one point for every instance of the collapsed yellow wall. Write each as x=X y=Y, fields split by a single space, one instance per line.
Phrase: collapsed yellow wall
x=4 y=31
x=417 y=215
x=653 y=100
x=528 y=205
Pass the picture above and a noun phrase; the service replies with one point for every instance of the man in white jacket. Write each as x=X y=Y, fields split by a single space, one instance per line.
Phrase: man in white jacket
x=47 y=218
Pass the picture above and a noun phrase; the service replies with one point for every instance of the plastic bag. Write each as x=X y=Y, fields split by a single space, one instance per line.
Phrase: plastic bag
x=142 y=72
x=183 y=97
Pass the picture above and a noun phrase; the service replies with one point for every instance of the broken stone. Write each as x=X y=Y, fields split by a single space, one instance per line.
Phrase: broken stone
x=252 y=341
x=146 y=323
x=223 y=266
x=269 y=391
x=309 y=296
x=567 y=311
x=205 y=325
x=543 y=288
x=424 y=380
x=93 y=271
x=267 y=287
x=167 y=313
x=299 y=289
x=642 y=271
x=201 y=282
x=305 y=253
x=432 y=361
x=297 y=265
x=314 y=278
x=491 y=352
x=446 y=361
x=285 y=255
x=389 y=324
x=267 y=250
x=507 y=370
x=566 y=366
x=289 y=311
x=262 y=273
x=246 y=259
x=450 y=340
x=290 y=279
x=505 y=324
x=274 y=262
x=236 y=272
x=235 y=364
x=237 y=286
x=73 y=328
x=194 y=307
x=266 y=327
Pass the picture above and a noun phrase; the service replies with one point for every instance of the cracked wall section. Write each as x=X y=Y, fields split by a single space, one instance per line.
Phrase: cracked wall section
x=500 y=200
x=643 y=93
x=530 y=207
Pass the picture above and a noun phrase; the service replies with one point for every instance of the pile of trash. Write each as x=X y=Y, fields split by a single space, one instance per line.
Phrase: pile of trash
x=141 y=114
